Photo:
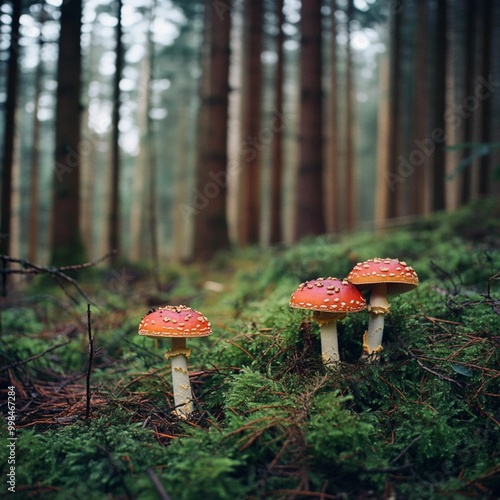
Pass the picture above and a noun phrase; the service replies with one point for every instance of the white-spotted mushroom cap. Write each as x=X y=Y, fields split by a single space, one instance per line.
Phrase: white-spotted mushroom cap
x=398 y=275
x=175 y=321
x=330 y=295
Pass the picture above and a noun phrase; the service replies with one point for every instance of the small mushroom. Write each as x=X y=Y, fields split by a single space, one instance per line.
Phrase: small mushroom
x=330 y=299
x=177 y=323
x=383 y=277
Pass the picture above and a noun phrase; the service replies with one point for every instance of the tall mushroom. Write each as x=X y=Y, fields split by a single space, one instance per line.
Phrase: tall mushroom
x=177 y=323
x=384 y=277
x=330 y=299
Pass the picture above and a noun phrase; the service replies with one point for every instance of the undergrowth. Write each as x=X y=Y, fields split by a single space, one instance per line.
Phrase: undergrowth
x=270 y=420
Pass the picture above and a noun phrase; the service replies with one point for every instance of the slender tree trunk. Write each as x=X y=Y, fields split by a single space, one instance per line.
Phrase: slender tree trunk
x=277 y=142
x=9 y=131
x=350 y=156
x=468 y=79
x=209 y=205
x=439 y=124
x=332 y=192
x=180 y=236
x=250 y=163
x=310 y=218
x=452 y=155
x=15 y=220
x=34 y=194
x=66 y=244
x=94 y=183
x=393 y=180
x=114 y=212
x=486 y=106
x=381 y=191
x=151 y=150
x=419 y=185
x=91 y=215
x=138 y=215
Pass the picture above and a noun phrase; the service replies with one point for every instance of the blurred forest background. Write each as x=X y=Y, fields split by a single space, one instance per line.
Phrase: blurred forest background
x=172 y=129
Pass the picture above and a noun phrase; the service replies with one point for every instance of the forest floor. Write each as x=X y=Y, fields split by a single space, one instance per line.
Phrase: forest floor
x=270 y=420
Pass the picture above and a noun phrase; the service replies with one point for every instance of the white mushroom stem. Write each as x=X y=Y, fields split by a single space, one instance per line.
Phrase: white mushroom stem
x=329 y=338
x=180 y=377
x=378 y=308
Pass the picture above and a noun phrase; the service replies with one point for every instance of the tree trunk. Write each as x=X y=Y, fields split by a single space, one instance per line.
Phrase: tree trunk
x=486 y=106
x=151 y=162
x=381 y=191
x=332 y=192
x=468 y=90
x=350 y=160
x=66 y=244
x=140 y=239
x=419 y=185
x=251 y=138
x=9 y=131
x=394 y=179
x=276 y=233
x=114 y=212
x=209 y=204
x=439 y=105
x=34 y=194
x=180 y=235
x=309 y=198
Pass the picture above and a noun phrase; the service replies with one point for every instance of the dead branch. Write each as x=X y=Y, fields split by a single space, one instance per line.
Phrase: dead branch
x=162 y=494
x=32 y=358
x=58 y=273
x=424 y=367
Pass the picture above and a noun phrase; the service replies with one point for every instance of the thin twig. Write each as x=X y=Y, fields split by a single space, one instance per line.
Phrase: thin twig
x=89 y=369
x=490 y=281
x=162 y=494
x=56 y=272
x=426 y=368
x=32 y=358
x=405 y=449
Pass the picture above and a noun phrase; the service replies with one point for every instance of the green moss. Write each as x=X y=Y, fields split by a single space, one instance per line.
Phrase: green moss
x=270 y=419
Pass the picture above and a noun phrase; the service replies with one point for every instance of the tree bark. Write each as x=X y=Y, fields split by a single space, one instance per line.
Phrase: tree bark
x=468 y=89
x=393 y=180
x=381 y=190
x=9 y=131
x=209 y=203
x=140 y=237
x=350 y=156
x=114 y=212
x=439 y=124
x=310 y=218
x=486 y=106
x=332 y=192
x=251 y=138
x=34 y=194
x=66 y=244
x=277 y=142
x=419 y=186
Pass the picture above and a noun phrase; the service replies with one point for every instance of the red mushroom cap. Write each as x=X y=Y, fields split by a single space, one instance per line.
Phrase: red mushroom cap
x=175 y=321
x=398 y=275
x=328 y=295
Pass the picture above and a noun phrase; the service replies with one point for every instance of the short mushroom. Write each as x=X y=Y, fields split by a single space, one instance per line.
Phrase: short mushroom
x=383 y=277
x=330 y=299
x=177 y=323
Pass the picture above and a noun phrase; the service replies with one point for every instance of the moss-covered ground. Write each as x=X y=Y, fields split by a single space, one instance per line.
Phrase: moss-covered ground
x=270 y=420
